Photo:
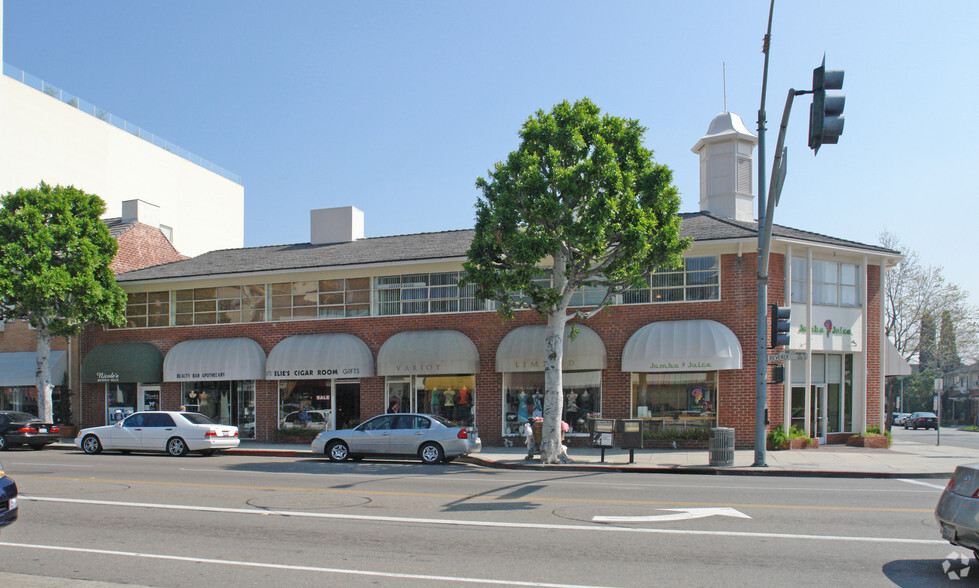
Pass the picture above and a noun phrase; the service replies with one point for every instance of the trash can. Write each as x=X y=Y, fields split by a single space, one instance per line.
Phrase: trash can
x=722 y=446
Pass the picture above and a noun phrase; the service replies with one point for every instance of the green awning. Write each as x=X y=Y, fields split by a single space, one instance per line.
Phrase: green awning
x=123 y=362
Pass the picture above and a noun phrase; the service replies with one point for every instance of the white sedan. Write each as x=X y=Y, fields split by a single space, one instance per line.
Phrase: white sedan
x=173 y=432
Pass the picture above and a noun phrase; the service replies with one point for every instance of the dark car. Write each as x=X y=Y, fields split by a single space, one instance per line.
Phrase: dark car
x=21 y=428
x=8 y=499
x=921 y=420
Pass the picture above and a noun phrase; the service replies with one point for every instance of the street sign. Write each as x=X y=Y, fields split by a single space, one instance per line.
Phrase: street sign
x=788 y=356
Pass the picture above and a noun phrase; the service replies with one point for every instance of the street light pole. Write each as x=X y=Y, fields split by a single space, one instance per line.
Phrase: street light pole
x=761 y=348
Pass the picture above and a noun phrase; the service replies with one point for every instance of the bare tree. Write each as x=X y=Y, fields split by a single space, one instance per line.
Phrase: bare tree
x=912 y=292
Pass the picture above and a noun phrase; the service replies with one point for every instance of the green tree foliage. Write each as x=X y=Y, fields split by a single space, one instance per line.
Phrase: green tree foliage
x=55 y=274
x=927 y=356
x=948 y=355
x=582 y=199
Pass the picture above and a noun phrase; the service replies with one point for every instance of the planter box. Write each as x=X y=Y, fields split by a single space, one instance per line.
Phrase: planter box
x=874 y=442
x=68 y=431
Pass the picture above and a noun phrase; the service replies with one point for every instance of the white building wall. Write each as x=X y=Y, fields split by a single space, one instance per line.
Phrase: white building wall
x=42 y=138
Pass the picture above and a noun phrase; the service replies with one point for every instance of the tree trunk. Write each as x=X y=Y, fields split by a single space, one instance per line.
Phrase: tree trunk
x=552 y=450
x=45 y=410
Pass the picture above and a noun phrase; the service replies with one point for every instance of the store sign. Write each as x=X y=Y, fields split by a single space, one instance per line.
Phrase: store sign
x=106 y=377
x=191 y=376
x=832 y=328
x=682 y=365
x=827 y=329
x=537 y=365
x=421 y=367
x=311 y=373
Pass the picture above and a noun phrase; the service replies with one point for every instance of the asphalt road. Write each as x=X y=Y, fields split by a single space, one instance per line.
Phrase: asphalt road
x=951 y=437
x=155 y=520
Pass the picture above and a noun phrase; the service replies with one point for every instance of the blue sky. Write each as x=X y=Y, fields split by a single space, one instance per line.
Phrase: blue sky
x=397 y=107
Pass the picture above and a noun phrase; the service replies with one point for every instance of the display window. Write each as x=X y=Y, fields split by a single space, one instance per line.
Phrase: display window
x=449 y=396
x=523 y=398
x=24 y=399
x=120 y=402
x=675 y=400
x=225 y=402
x=319 y=404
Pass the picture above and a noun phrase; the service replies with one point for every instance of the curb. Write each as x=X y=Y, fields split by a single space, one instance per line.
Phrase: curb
x=705 y=470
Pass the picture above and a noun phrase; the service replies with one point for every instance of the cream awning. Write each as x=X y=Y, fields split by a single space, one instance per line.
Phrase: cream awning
x=315 y=357
x=19 y=368
x=682 y=346
x=427 y=352
x=203 y=360
x=523 y=350
x=894 y=362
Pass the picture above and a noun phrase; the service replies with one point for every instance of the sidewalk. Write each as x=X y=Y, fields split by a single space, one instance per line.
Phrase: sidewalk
x=904 y=459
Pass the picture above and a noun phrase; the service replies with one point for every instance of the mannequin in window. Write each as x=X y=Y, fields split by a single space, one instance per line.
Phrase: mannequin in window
x=538 y=404
x=585 y=402
x=448 y=403
x=463 y=410
x=521 y=406
x=434 y=400
x=571 y=409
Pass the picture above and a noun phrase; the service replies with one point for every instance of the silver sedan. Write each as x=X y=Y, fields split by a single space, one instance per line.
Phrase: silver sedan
x=430 y=438
x=958 y=508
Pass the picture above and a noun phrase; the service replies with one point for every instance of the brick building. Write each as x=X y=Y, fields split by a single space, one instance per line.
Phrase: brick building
x=347 y=326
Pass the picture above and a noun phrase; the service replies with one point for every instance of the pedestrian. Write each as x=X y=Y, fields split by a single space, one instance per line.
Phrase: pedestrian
x=183 y=408
x=393 y=406
x=303 y=417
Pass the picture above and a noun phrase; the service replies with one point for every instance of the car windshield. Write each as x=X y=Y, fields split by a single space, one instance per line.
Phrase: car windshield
x=21 y=417
x=197 y=418
x=926 y=415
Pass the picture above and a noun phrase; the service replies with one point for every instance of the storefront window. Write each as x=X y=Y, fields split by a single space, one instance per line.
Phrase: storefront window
x=120 y=402
x=670 y=401
x=523 y=398
x=447 y=396
x=228 y=403
x=24 y=399
x=312 y=397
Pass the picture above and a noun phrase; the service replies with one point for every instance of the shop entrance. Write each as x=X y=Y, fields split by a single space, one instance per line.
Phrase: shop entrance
x=148 y=398
x=818 y=412
x=347 y=403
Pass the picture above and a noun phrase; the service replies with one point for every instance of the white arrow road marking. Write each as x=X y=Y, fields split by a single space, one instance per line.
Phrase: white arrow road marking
x=680 y=514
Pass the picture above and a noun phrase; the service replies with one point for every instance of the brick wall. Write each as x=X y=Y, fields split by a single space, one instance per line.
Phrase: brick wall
x=614 y=325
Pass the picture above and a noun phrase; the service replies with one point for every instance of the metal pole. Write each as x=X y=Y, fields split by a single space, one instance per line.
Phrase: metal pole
x=761 y=349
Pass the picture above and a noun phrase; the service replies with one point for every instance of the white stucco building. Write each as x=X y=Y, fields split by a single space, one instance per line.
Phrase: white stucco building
x=48 y=134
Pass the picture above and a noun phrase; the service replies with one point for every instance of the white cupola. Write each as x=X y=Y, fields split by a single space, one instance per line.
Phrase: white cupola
x=726 y=168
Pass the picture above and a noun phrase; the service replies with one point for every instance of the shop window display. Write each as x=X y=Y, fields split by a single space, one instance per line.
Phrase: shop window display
x=24 y=399
x=670 y=401
x=224 y=402
x=523 y=399
x=120 y=402
x=448 y=396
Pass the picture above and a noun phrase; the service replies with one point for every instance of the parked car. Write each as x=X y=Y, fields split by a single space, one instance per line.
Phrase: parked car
x=921 y=420
x=21 y=428
x=8 y=499
x=430 y=438
x=175 y=432
x=958 y=508
x=900 y=417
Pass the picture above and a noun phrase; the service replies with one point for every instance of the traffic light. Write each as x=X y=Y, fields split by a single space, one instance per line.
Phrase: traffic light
x=779 y=327
x=826 y=112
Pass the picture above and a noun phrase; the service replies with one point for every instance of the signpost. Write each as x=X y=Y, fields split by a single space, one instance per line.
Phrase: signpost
x=939 y=384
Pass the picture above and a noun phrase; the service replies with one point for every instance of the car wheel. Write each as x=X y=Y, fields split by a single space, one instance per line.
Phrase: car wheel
x=36 y=447
x=177 y=447
x=91 y=445
x=431 y=453
x=337 y=451
x=3 y=443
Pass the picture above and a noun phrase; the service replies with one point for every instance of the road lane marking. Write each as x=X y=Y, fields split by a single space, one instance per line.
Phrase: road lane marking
x=680 y=514
x=494 y=524
x=474 y=495
x=920 y=483
x=251 y=564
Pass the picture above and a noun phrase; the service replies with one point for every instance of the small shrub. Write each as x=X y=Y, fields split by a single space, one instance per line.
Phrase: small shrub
x=299 y=431
x=691 y=434
x=777 y=437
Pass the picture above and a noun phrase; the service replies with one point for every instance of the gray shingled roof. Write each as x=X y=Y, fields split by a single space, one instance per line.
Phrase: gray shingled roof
x=700 y=226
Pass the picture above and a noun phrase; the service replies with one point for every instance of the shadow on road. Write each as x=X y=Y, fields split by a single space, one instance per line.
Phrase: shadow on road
x=918 y=573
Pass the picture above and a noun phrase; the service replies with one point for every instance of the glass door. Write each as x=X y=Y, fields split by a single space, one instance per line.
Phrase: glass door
x=818 y=412
x=148 y=398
